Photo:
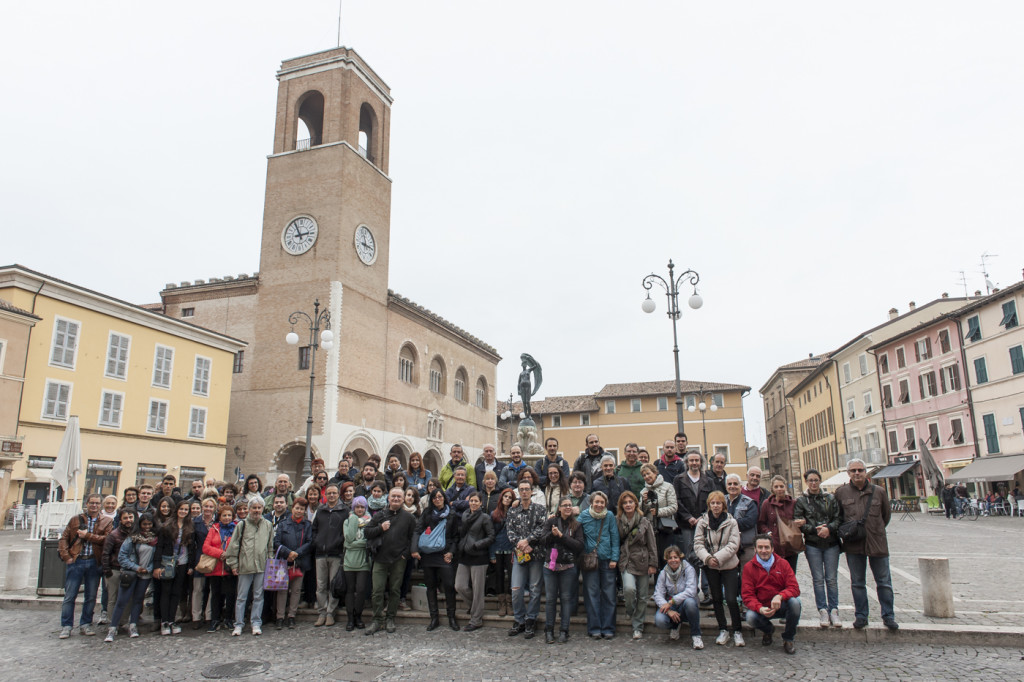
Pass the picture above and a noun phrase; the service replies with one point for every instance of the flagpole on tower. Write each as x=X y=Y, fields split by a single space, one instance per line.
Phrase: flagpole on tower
x=339 y=23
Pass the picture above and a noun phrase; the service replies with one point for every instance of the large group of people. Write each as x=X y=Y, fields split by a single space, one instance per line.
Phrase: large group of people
x=667 y=529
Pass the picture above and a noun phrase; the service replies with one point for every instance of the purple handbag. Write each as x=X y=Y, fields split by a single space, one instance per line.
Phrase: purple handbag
x=275 y=576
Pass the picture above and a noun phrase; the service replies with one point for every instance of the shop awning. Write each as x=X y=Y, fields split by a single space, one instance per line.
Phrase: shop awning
x=897 y=470
x=999 y=468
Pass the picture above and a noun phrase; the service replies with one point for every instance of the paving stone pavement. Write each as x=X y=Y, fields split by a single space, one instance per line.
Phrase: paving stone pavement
x=31 y=651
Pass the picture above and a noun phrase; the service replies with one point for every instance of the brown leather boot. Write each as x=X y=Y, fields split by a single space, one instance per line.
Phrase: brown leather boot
x=503 y=604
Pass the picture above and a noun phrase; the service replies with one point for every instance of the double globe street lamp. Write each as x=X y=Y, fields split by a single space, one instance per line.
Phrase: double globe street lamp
x=703 y=407
x=671 y=287
x=317 y=339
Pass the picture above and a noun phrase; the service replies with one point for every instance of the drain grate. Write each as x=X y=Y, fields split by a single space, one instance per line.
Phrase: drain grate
x=357 y=672
x=223 y=671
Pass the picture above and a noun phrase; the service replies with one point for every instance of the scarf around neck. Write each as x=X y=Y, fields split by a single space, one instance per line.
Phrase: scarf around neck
x=715 y=521
x=377 y=503
x=594 y=514
x=628 y=524
x=674 y=575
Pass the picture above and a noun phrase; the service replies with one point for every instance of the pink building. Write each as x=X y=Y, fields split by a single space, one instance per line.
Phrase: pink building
x=926 y=412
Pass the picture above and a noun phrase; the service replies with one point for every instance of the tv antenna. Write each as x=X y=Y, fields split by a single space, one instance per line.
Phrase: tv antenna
x=989 y=286
x=339 y=23
x=963 y=282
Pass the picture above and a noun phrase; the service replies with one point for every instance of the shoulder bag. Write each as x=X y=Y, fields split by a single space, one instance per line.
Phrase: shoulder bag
x=434 y=540
x=791 y=539
x=589 y=559
x=853 y=530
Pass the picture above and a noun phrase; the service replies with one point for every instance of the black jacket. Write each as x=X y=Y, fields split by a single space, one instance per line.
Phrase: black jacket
x=295 y=537
x=612 y=488
x=570 y=545
x=430 y=519
x=329 y=530
x=690 y=505
x=460 y=500
x=585 y=463
x=389 y=546
x=480 y=468
x=476 y=534
x=165 y=547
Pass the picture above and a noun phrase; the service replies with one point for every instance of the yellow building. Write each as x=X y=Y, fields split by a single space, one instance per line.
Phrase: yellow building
x=645 y=413
x=817 y=404
x=151 y=392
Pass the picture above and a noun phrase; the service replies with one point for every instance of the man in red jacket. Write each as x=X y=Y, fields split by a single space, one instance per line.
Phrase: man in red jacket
x=770 y=591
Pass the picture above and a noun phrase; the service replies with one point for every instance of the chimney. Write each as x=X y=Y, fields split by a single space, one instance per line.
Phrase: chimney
x=977 y=292
x=893 y=313
x=912 y=305
x=945 y=294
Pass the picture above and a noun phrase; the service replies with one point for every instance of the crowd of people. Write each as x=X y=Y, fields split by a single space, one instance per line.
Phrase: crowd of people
x=667 y=529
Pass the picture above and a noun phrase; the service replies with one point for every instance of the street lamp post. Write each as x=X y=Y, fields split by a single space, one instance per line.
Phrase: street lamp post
x=317 y=338
x=671 y=287
x=703 y=407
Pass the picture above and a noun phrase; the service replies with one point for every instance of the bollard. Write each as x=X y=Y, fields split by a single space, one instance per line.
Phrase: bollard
x=18 y=562
x=936 y=587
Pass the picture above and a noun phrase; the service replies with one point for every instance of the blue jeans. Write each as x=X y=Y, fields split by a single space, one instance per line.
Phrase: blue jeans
x=525 y=576
x=688 y=609
x=558 y=584
x=824 y=565
x=83 y=570
x=858 y=563
x=790 y=610
x=245 y=581
x=135 y=594
x=599 y=598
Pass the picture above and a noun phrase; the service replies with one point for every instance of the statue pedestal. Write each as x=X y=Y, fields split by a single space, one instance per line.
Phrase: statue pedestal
x=528 y=440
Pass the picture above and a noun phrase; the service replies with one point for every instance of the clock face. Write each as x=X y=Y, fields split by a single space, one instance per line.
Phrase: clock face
x=366 y=246
x=299 y=236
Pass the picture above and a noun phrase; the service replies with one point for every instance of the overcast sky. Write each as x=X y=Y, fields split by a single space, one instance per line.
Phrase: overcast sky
x=816 y=163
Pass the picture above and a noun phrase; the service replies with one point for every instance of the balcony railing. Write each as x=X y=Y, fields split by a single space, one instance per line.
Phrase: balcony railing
x=869 y=456
x=303 y=145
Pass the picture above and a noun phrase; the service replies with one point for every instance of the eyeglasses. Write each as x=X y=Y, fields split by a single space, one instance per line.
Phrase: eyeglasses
x=854 y=471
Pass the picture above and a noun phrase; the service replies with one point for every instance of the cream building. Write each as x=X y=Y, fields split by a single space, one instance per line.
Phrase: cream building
x=644 y=413
x=994 y=361
x=399 y=377
x=15 y=330
x=151 y=393
x=859 y=383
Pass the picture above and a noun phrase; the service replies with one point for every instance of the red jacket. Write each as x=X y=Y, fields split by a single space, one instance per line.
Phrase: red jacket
x=213 y=548
x=761 y=586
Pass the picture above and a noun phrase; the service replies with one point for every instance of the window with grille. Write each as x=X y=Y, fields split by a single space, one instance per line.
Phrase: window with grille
x=197 y=423
x=304 y=356
x=236 y=367
x=163 y=363
x=117 y=356
x=662 y=404
x=65 y=343
x=157 y=416
x=110 y=409
x=634 y=405
x=56 y=400
x=556 y=421
x=201 y=376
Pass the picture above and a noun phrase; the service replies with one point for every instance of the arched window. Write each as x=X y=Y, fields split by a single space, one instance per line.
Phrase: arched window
x=481 y=392
x=437 y=376
x=460 y=385
x=367 y=132
x=310 y=115
x=407 y=364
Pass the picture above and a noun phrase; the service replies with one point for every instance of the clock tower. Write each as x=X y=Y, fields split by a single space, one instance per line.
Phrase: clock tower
x=326 y=234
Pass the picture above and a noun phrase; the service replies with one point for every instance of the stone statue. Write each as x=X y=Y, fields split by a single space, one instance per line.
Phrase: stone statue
x=530 y=367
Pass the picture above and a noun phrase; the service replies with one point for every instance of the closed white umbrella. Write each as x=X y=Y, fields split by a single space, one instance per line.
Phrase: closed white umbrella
x=69 y=458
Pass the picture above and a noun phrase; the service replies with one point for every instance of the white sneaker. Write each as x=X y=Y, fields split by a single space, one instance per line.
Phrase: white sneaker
x=637 y=634
x=723 y=638
x=65 y=632
x=87 y=630
x=673 y=634
x=175 y=629
x=257 y=630
x=102 y=620
x=698 y=643
x=110 y=635
x=237 y=632
x=165 y=629
x=133 y=630
x=823 y=618
x=737 y=639
x=834 y=618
